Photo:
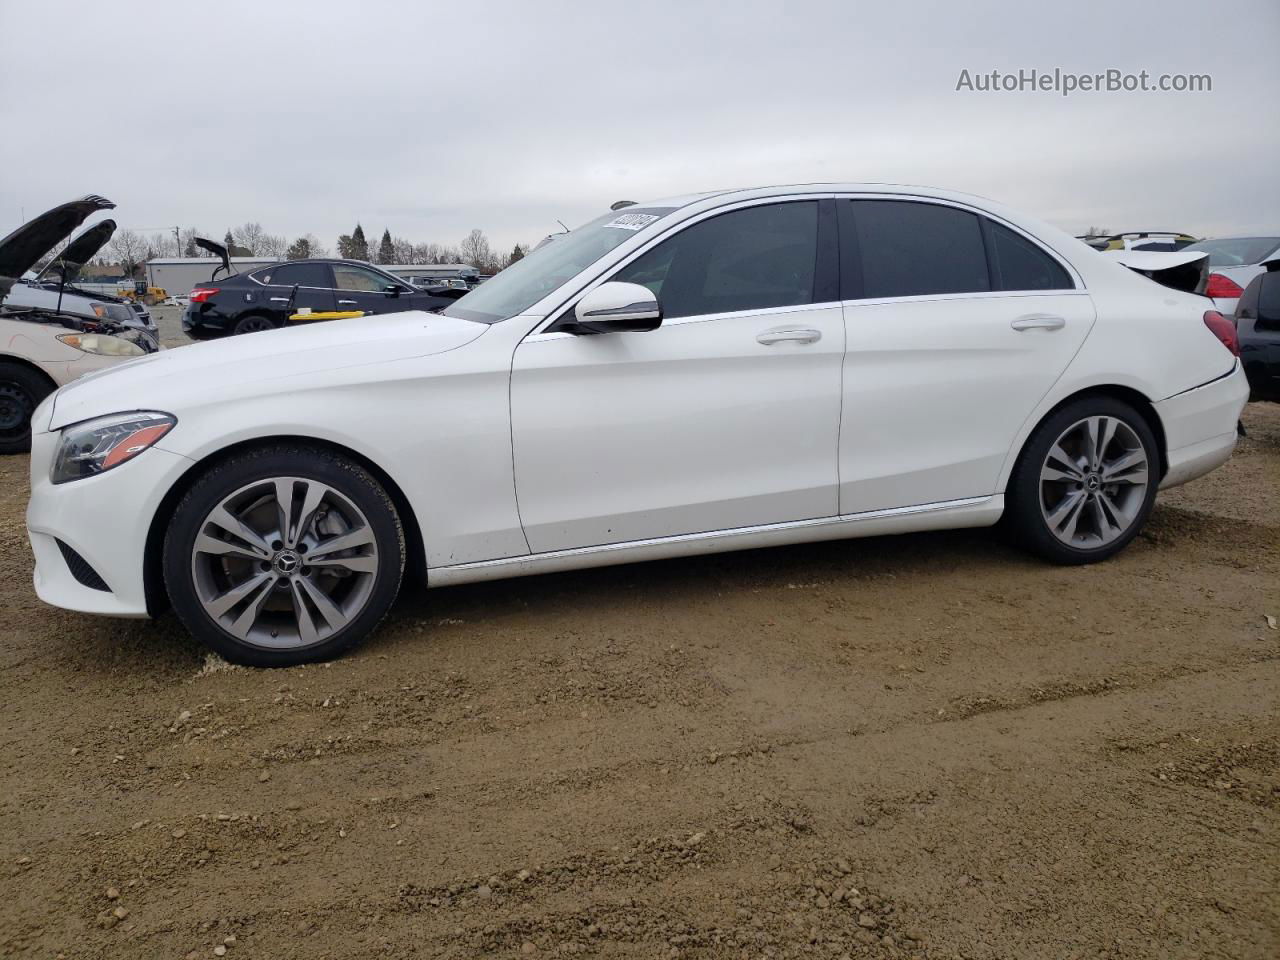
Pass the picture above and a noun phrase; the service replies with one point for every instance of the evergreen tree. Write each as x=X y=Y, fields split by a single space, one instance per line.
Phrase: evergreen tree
x=359 y=245
x=386 y=250
x=228 y=241
x=516 y=254
x=300 y=249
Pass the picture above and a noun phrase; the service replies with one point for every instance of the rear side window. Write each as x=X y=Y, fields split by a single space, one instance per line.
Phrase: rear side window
x=1018 y=264
x=903 y=248
x=749 y=259
x=297 y=275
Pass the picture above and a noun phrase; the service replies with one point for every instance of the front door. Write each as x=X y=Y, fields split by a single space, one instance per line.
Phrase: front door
x=358 y=288
x=726 y=416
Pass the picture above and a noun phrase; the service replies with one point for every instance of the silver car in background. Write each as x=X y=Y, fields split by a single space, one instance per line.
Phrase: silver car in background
x=1233 y=262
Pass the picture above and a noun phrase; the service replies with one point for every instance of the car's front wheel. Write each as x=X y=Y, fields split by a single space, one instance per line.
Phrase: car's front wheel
x=283 y=555
x=1085 y=482
x=21 y=390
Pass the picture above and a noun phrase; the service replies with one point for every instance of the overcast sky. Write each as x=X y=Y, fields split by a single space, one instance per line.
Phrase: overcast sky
x=433 y=118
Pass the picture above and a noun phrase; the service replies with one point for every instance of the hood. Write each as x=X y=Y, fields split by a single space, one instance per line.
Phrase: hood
x=261 y=364
x=80 y=251
x=1185 y=270
x=218 y=250
x=22 y=249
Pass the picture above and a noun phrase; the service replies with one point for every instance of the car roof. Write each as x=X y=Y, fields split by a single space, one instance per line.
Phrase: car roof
x=685 y=200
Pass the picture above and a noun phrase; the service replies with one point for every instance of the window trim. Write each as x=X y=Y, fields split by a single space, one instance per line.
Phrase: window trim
x=301 y=286
x=983 y=216
x=562 y=313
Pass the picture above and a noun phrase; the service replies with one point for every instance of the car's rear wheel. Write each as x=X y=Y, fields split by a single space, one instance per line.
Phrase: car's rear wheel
x=283 y=555
x=254 y=323
x=1085 y=482
x=21 y=390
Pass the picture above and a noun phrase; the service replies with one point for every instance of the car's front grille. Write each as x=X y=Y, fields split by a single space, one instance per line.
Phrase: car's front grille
x=85 y=575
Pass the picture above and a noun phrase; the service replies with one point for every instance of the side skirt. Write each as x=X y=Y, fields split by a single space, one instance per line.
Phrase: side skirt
x=947 y=515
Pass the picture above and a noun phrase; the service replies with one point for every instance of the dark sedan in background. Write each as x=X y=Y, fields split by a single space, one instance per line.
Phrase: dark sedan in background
x=1258 y=329
x=266 y=298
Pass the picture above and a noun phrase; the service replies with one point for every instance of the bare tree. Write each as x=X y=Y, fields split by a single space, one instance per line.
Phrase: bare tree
x=250 y=236
x=129 y=248
x=271 y=245
x=475 y=250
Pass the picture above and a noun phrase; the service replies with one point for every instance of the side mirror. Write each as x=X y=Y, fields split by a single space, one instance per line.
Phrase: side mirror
x=617 y=307
x=392 y=289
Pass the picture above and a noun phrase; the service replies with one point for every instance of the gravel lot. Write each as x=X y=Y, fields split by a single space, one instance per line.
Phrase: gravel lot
x=925 y=746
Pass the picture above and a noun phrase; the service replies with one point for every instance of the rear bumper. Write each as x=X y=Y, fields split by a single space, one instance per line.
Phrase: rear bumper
x=198 y=321
x=1200 y=426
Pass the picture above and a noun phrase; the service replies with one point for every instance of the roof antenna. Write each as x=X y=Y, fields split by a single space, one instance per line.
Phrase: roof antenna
x=561 y=222
x=622 y=203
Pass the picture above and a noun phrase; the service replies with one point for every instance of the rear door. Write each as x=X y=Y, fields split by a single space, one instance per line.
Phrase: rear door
x=294 y=288
x=956 y=327
x=359 y=288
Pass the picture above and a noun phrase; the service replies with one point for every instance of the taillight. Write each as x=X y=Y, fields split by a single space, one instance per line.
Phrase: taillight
x=201 y=294
x=1223 y=329
x=1220 y=287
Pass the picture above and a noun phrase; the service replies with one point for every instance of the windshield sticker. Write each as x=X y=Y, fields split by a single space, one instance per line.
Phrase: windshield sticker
x=632 y=221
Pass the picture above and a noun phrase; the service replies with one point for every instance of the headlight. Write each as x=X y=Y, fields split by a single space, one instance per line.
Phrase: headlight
x=95 y=446
x=102 y=345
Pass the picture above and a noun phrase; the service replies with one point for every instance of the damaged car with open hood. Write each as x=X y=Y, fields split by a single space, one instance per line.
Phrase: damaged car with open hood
x=43 y=348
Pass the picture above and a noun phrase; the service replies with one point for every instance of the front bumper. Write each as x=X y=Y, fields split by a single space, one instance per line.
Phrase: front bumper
x=1200 y=426
x=105 y=520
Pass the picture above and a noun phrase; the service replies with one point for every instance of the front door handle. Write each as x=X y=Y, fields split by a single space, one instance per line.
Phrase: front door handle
x=1039 y=321
x=343 y=303
x=792 y=334
x=280 y=299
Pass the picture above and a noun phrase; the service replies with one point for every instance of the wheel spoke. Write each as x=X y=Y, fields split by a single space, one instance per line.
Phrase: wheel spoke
x=1066 y=515
x=221 y=517
x=310 y=504
x=1126 y=468
x=354 y=564
x=306 y=623
x=346 y=541
x=244 y=623
x=1065 y=463
x=331 y=612
x=224 y=602
x=221 y=548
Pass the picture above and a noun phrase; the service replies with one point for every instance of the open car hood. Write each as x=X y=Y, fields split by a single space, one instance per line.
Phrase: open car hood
x=1185 y=270
x=218 y=250
x=80 y=251
x=22 y=249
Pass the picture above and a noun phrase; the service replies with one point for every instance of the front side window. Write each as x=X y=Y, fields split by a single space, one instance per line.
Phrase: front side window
x=904 y=248
x=297 y=275
x=1018 y=264
x=555 y=261
x=749 y=259
x=349 y=277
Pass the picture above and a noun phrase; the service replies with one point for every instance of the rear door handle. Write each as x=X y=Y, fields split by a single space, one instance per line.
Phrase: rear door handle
x=1039 y=321
x=792 y=334
x=346 y=302
x=279 y=299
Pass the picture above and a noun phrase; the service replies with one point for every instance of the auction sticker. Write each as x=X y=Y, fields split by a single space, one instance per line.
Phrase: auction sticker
x=632 y=221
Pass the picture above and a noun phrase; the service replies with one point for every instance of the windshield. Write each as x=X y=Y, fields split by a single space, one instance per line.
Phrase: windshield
x=1236 y=251
x=558 y=259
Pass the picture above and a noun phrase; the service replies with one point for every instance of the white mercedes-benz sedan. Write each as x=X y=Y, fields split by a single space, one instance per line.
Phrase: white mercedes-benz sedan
x=704 y=373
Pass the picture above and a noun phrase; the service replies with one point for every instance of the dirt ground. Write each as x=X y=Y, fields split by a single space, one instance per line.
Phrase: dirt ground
x=924 y=746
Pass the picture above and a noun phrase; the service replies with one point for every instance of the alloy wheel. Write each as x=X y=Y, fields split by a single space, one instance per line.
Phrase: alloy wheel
x=284 y=562
x=1093 y=482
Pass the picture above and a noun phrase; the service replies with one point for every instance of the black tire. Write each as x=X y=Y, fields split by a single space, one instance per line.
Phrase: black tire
x=254 y=323
x=289 y=460
x=21 y=390
x=1025 y=510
